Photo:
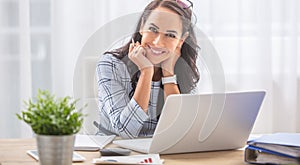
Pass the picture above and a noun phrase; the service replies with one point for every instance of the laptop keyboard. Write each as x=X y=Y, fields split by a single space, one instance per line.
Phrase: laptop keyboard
x=141 y=145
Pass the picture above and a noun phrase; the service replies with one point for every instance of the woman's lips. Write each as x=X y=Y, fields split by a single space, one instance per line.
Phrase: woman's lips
x=157 y=51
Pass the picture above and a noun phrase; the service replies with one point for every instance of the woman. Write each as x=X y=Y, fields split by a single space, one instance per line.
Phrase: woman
x=160 y=60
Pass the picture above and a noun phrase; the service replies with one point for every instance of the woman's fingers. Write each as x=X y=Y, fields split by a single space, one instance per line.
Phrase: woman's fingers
x=131 y=46
x=137 y=56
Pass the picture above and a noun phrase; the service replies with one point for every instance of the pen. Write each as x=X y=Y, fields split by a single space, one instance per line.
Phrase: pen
x=132 y=40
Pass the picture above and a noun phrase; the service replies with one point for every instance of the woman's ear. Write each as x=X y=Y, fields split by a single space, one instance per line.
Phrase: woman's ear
x=183 y=38
x=141 y=27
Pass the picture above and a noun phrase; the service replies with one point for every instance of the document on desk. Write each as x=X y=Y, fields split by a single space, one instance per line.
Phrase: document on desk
x=278 y=148
x=285 y=143
x=288 y=139
x=91 y=142
x=134 y=159
x=258 y=155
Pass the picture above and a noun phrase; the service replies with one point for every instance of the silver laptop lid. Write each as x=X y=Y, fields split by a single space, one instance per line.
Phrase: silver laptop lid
x=206 y=122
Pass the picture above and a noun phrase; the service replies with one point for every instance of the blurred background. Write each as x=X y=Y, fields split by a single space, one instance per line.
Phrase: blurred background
x=256 y=40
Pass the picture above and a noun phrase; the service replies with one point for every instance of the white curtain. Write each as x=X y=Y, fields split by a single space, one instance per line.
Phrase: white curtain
x=15 y=68
x=256 y=40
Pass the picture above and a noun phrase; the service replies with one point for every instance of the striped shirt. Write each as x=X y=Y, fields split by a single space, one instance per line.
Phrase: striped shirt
x=120 y=114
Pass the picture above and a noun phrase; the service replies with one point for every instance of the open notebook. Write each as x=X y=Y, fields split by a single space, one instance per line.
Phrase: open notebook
x=91 y=142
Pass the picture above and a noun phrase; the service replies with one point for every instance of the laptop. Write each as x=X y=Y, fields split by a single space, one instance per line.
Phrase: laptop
x=202 y=122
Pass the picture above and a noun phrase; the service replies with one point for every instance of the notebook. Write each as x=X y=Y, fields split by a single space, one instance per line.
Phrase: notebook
x=280 y=146
x=202 y=122
x=91 y=142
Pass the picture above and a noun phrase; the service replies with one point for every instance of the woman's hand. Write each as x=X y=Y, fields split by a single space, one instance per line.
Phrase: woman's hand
x=169 y=64
x=137 y=54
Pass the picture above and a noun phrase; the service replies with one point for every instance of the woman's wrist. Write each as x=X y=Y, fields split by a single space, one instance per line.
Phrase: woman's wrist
x=167 y=73
x=147 y=71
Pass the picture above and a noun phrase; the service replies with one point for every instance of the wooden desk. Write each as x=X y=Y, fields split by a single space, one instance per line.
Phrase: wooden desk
x=13 y=151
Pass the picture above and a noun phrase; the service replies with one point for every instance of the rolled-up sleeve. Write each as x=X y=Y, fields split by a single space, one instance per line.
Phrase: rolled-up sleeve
x=125 y=116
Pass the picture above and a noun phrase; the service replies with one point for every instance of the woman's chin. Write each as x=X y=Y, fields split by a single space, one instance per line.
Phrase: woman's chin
x=156 y=60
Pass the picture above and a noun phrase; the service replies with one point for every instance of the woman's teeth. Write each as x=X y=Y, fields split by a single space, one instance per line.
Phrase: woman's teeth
x=157 y=52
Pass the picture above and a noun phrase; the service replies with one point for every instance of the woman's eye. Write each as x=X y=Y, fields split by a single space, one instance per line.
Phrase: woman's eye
x=170 y=35
x=152 y=29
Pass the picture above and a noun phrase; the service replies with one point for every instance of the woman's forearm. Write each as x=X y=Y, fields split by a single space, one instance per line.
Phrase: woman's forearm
x=170 y=89
x=143 y=88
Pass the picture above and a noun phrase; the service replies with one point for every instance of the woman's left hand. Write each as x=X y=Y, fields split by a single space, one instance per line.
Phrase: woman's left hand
x=169 y=64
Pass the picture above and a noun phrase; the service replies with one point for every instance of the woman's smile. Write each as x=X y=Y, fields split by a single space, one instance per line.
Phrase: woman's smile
x=157 y=51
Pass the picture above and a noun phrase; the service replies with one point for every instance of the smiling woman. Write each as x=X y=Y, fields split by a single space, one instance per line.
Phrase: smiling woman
x=257 y=42
x=159 y=60
x=162 y=39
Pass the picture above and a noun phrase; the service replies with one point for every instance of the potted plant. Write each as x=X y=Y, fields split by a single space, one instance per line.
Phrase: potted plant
x=55 y=121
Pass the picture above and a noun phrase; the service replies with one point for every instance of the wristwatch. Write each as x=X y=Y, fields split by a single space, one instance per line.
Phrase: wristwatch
x=169 y=80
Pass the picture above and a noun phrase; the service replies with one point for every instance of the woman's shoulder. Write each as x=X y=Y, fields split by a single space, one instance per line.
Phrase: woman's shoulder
x=109 y=57
x=111 y=61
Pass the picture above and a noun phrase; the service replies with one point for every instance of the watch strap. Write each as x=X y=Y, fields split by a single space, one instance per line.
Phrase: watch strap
x=169 y=80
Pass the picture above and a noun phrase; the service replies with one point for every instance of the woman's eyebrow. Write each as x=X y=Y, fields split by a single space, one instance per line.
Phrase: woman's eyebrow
x=172 y=31
x=154 y=25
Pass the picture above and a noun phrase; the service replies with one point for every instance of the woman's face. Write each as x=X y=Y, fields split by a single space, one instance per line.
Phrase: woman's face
x=161 y=34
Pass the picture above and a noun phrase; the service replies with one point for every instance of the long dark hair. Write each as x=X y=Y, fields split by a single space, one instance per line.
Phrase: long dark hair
x=185 y=69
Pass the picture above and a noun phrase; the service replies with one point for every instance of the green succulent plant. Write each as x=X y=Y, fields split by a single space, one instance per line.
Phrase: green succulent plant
x=48 y=115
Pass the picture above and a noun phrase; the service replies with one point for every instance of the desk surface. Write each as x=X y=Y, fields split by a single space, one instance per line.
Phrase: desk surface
x=13 y=151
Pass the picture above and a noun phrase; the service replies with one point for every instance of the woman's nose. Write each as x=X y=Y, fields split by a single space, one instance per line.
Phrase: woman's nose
x=158 y=40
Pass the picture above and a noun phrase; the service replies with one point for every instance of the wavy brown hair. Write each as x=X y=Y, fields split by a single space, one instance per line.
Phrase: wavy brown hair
x=185 y=69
